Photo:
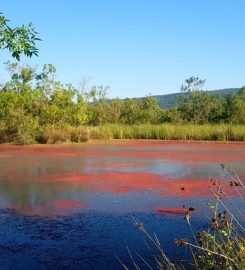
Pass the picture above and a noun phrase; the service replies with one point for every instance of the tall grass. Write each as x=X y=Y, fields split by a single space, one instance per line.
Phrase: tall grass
x=170 y=132
x=32 y=133
x=51 y=135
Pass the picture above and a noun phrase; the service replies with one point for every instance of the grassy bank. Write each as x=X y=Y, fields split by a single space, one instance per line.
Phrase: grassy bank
x=51 y=135
x=170 y=132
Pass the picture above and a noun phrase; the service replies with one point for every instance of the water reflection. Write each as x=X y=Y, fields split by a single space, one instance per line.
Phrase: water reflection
x=61 y=180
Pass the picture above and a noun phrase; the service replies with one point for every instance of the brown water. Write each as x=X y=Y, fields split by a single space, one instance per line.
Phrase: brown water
x=71 y=207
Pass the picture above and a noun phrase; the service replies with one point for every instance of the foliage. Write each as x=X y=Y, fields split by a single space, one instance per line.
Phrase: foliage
x=33 y=102
x=170 y=101
x=235 y=107
x=18 y=40
x=197 y=105
x=193 y=84
x=222 y=245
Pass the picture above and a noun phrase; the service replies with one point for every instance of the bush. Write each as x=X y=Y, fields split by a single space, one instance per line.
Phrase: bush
x=55 y=136
x=222 y=244
x=79 y=134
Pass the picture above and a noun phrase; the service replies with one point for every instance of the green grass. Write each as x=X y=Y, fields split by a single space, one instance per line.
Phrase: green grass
x=47 y=134
x=170 y=132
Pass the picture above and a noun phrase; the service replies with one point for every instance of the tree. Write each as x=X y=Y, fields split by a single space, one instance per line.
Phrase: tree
x=241 y=93
x=18 y=40
x=192 y=84
x=198 y=106
x=98 y=107
x=235 y=108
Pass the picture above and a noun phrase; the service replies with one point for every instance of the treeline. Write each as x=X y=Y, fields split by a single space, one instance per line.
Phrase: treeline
x=36 y=108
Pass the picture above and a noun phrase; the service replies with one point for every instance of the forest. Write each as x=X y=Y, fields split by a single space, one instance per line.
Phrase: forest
x=36 y=108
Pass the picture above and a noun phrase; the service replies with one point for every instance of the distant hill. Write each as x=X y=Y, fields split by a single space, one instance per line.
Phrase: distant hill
x=171 y=100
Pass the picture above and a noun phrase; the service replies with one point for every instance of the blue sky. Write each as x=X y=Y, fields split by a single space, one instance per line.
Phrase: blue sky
x=137 y=47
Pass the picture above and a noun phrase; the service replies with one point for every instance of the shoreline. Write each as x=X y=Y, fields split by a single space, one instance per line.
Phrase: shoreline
x=124 y=133
x=124 y=142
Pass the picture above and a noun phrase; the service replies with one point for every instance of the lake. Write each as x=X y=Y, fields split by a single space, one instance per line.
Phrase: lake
x=74 y=206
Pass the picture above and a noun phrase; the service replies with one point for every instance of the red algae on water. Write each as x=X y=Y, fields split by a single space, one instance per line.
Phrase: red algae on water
x=117 y=164
x=119 y=182
x=4 y=156
x=124 y=182
x=181 y=151
x=23 y=169
x=65 y=204
x=190 y=143
x=190 y=188
x=170 y=210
